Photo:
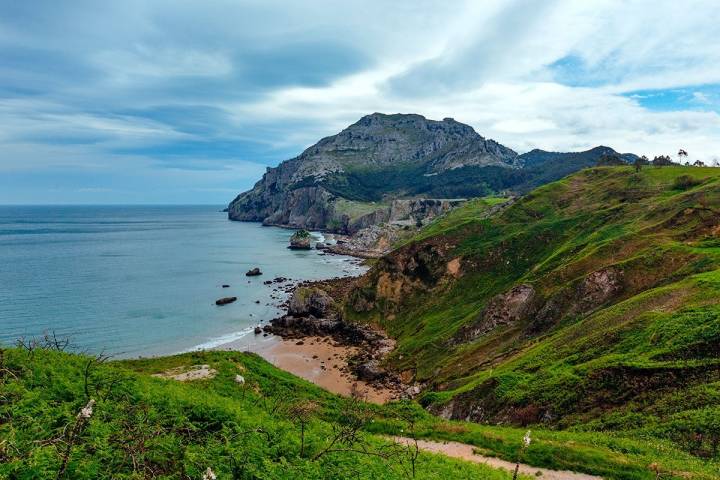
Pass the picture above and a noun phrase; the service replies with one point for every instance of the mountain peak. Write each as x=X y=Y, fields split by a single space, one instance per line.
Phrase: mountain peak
x=390 y=156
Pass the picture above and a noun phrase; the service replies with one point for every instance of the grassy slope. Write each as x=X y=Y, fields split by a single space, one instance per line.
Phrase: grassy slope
x=665 y=327
x=363 y=182
x=646 y=363
x=144 y=426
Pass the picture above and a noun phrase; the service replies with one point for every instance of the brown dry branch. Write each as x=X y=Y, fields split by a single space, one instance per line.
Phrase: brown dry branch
x=302 y=413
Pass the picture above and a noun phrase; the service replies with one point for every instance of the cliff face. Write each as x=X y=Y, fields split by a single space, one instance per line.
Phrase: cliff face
x=349 y=181
x=404 y=212
x=301 y=192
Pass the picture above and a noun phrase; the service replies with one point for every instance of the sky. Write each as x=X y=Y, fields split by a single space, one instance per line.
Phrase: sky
x=188 y=102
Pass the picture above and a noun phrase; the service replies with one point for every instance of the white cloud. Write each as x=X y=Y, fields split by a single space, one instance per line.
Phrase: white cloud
x=80 y=82
x=144 y=61
x=495 y=73
x=701 y=97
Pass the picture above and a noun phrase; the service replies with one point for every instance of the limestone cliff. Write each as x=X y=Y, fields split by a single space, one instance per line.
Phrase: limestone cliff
x=301 y=192
x=355 y=179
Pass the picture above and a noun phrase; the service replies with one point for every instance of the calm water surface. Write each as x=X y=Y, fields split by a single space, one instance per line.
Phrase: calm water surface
x=142 y=280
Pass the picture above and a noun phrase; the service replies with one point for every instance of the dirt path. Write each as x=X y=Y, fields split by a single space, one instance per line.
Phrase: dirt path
x=465 y=452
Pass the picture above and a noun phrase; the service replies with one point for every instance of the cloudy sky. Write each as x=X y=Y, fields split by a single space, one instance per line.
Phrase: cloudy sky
x=172 y=101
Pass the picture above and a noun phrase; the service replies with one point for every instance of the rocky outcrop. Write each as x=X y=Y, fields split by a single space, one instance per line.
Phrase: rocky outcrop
x=401 y=274
x=300 y=240
x=402 y=212
x=421 y=209
x=370 y=242
x=504 y=309
x=579 y=298
x=301 y=192
x=253 y=272
x=307 y=301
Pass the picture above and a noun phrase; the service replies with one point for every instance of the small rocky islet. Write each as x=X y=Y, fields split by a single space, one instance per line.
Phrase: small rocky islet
x=301 y=240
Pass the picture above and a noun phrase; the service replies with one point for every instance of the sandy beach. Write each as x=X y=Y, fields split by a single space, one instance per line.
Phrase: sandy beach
x=319 y=360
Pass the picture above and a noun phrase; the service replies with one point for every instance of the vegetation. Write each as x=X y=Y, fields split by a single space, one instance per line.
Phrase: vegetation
x=372 y=184
x=615 y=370
x=73 y=416
x=354 y=210
x=302 y=233
x=640 y=360
x=271 y=425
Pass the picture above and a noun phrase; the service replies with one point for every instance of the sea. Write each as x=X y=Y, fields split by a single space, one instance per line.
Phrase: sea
x=132 y=281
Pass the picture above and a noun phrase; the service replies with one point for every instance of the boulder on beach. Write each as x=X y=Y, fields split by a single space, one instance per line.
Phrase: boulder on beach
x=253 y=272
x=225 y=300
x=300 y=240
x=370 y=371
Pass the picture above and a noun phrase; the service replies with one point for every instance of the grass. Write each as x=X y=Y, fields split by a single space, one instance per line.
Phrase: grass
x=147 y=427
x=620 y=364
x=143 y=426
x=613 y=384
x=458 y=218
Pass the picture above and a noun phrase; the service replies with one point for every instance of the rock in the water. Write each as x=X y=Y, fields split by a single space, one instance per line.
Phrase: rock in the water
x=258 y=330
x=226 y=286
x=300 y=240
x=253 y=272
x=225 y=300
x=320 y=246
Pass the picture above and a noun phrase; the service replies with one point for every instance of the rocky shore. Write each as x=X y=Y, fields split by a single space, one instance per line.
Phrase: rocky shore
x=370 y=242
x=312 y=313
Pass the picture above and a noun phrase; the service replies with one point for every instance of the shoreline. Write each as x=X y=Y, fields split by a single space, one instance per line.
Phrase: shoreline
x=324 y=351
x=317 y=359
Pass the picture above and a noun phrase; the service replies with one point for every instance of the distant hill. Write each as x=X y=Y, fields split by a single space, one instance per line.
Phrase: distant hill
x=340 y=182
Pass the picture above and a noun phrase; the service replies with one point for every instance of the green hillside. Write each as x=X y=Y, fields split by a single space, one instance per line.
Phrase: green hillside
x=591 y=304
x=587 y=311
x=147 y=427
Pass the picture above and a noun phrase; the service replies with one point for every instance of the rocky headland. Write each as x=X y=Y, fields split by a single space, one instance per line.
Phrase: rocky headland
x=383 y=177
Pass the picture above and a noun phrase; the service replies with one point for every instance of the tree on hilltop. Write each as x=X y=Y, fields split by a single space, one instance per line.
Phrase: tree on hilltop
x=682 y=154
x=639 y=162
x=662 y=161
x=611 y=160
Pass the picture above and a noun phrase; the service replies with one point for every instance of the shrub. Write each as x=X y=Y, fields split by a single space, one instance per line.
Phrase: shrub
x=684 y=182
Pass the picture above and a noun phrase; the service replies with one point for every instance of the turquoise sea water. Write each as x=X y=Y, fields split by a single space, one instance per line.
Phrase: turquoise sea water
x=143 y=280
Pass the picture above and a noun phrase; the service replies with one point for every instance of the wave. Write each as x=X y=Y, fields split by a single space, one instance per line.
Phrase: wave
x=318 y=236
x=222 y=340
